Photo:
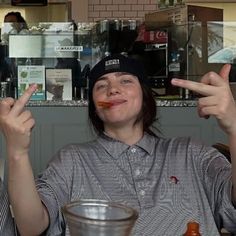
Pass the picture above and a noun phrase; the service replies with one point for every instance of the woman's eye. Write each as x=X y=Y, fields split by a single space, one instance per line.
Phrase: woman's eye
x=100 y=86
x=126 y=81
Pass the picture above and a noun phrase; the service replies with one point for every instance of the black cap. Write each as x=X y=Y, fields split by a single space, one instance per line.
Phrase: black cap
x=117 y=63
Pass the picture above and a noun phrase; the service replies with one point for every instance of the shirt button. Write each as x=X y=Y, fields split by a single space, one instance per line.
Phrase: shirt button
x=133 y=150
x=137 y=172
x=142 y=192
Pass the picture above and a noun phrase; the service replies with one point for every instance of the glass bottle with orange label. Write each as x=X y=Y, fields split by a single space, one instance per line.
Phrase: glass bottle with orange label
x=192 y=229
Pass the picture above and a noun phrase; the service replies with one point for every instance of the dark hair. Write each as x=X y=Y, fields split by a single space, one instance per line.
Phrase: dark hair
x=19 y=18
x=147 y=114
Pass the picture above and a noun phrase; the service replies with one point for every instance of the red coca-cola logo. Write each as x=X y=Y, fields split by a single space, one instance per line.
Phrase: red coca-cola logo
x=155 y=36
x=161 y=34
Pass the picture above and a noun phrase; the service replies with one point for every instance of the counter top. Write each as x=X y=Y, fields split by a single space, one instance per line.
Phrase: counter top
x=84 y=103
x=66 y=103
x=176 y=103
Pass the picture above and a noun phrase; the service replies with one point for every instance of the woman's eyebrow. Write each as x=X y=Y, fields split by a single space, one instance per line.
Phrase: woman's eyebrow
x=117 y=73
x=104 y=77
x=123 y=73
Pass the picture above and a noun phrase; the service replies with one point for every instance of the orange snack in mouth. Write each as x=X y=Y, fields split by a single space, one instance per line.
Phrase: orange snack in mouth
x=104 y=104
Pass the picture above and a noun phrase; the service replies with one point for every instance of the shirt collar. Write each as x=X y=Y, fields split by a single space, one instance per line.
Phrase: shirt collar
x=115 y=147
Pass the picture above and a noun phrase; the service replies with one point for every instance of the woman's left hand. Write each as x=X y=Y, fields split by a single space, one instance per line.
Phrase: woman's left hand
x=216 y=100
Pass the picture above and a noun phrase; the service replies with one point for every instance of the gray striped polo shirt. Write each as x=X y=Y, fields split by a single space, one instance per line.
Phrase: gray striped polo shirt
x=7 y=225
x=168 y=181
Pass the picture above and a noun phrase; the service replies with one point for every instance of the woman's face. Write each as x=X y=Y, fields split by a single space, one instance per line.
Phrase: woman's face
x=13 y=19
x=124 y=93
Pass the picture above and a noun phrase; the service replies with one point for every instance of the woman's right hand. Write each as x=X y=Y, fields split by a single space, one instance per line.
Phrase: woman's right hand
x=16 y=123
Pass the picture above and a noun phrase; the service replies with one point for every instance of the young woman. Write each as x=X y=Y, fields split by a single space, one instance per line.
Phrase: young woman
x=169 y=181
x=18 y=22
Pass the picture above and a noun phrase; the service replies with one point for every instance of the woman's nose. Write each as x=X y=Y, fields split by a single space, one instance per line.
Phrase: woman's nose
x=113 y=89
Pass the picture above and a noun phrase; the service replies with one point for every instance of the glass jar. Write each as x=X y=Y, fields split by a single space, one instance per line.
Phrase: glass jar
x=91 y=217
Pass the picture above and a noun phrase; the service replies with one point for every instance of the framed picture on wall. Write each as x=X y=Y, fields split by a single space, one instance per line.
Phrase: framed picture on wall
x=28 y=75
x=58 y=84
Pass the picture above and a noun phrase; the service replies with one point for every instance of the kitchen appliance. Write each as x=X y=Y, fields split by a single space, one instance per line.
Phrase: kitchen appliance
x=155 y=58
x=151 y=47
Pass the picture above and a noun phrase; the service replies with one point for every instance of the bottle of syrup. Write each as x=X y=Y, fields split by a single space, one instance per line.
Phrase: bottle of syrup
x=192 y=229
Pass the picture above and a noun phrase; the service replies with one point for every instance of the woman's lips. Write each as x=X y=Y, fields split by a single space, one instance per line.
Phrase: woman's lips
x=105 y=104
